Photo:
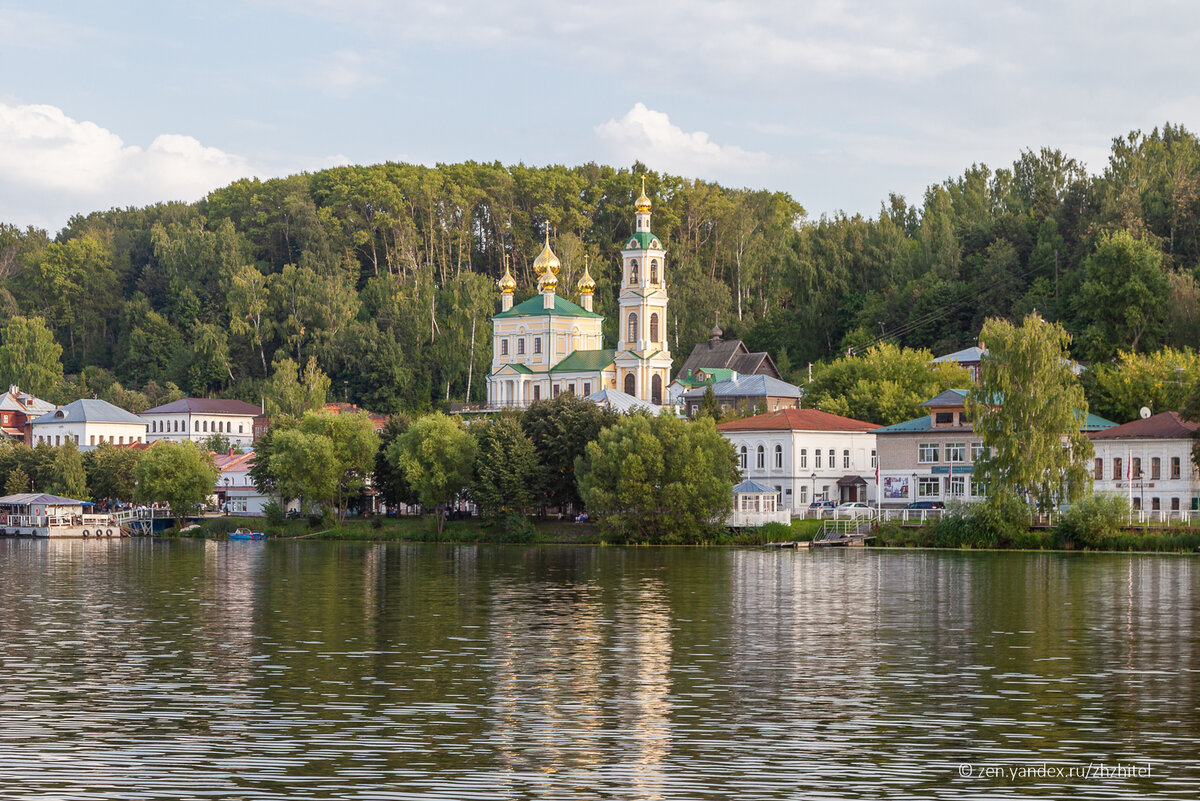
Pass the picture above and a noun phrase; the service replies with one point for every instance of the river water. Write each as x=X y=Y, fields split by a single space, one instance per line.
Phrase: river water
x=198 y=670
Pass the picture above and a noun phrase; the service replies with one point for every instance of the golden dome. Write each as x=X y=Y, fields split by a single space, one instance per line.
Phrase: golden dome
x=548 y=282
x=546 y=260
x=642 y=204
x=507 y=283
x=586 y=284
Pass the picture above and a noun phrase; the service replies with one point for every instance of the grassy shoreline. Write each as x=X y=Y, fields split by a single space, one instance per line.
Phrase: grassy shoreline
x=562 y=532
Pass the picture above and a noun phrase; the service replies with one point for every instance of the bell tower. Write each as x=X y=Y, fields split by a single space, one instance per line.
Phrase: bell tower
x=643 y=356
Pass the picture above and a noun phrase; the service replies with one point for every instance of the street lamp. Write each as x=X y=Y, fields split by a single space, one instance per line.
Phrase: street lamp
x=814 y=486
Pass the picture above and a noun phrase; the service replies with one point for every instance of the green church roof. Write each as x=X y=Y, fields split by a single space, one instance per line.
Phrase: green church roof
x=534 y=307
x=642 y=240
x=585 y=361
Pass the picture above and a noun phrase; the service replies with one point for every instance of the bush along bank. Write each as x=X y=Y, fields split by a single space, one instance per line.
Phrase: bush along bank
x=1097 y=523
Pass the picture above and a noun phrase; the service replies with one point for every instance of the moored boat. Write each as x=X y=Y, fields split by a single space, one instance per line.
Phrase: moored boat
x=246 y=534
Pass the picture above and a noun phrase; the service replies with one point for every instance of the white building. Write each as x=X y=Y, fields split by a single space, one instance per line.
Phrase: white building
x=806 y=455
x=198 y=419
x=235 y=490
x=88 y=422
x=1149 y=461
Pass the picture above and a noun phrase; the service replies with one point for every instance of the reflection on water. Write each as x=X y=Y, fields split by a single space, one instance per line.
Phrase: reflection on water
x=186 y=670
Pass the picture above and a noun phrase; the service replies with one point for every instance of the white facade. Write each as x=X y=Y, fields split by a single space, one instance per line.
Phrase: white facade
x=238 y=429
x=1168 y=481
x=87 y=434
x=803 y=464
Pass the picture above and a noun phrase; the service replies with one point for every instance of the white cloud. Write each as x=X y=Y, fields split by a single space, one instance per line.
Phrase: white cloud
x=53 y=166
x=648 y=135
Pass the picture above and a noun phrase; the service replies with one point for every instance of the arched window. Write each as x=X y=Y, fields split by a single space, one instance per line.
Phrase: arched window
x=633 y=329
x=778 y=457
x=761 y=461
x=742 y=458
x=629 y=384
x=656 y=390
x=633 y=271
x=654 y=271
x=654 y=327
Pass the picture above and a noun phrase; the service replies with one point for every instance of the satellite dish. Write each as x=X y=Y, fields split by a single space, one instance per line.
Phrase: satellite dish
x=1145 y=412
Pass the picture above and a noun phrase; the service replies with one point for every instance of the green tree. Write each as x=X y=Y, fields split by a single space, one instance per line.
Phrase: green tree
x=29 y=356
x=560 y=430
x=112 y=472
x=248 y=301
x=437 y=458
x=506 y=467
x=290 y=392
x=1123 y=301
x=68 y=478
x=215 y=443
x=659 y=479
x=388 y=480
x=301 y=465
x=17 y=481
x=1162 y=380
x=1030 y=411
x=178 y=474
x=321 y=457
x=885 y=385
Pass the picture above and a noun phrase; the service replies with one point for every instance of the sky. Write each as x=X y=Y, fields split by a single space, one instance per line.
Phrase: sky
x=837 y=103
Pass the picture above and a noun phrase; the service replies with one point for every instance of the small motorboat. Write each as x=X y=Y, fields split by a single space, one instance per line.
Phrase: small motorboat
x=246 y=534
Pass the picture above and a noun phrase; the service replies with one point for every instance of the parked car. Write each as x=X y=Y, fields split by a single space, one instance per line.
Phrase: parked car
x=821 y=506
x=853 y=509
x=926 y=505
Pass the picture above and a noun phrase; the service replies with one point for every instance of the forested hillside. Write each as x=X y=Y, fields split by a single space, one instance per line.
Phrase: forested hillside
x=386 y=274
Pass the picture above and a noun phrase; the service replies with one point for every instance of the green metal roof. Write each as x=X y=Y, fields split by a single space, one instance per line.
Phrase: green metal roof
x=585 y=361
x=1092 y=423
x=643 y=240
x=714 y=374
x=534 y=307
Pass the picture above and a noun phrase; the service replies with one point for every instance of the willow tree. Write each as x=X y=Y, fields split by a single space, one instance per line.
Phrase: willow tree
x=1031 y=411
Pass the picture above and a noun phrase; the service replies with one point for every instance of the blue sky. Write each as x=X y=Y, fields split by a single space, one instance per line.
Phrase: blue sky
x=838 y=103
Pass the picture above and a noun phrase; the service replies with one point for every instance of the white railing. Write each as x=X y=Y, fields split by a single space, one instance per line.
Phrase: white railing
x=740 y=519
x=1163 y=517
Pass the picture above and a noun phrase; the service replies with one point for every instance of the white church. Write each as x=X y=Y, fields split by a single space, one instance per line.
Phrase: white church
x=547 y=345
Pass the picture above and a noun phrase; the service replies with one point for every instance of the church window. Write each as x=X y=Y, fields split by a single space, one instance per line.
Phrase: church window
x=761 y=461
x=633 y=271
x=630 y=386
x=521 y=347
x=504 y=347
x=654 y=271
x=537 y=344
x=587 y=387
x=742 y=458
x=555 y=390
x=656 y=390
x=537 y=392
x=654 y=327
x=633 y=328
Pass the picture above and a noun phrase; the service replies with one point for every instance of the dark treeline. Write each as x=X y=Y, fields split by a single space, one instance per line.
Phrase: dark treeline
x=386 y=274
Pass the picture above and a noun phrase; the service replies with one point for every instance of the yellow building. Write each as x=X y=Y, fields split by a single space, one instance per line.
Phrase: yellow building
x=548 y=345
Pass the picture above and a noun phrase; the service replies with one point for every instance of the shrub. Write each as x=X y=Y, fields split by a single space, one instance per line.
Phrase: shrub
x=276 y=514
x=999 y=522
x=1094 y=522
